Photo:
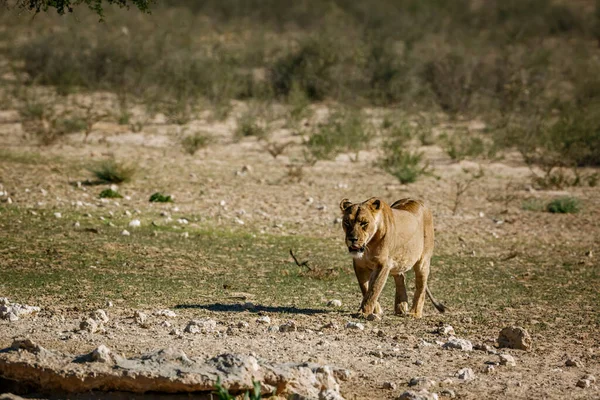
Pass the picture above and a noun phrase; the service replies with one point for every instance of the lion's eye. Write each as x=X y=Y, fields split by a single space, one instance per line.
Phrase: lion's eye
x=364 y=224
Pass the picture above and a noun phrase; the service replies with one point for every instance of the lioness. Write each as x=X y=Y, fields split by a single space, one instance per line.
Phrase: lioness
x=386 y=240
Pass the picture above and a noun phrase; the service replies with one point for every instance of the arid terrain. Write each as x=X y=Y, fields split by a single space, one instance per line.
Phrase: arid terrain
x=225 y=240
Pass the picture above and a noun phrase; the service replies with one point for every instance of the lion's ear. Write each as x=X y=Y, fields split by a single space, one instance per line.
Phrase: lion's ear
x=344 y=204
x=374 y=203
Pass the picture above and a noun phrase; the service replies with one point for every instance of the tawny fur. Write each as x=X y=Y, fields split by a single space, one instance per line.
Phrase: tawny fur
x=395 y=239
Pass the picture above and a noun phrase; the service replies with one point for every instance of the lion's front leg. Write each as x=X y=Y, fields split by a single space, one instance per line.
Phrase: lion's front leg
x=370 y=304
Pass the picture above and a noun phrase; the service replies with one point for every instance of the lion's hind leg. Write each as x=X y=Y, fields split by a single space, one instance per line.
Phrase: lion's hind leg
x=421 y=269
x=401 y=300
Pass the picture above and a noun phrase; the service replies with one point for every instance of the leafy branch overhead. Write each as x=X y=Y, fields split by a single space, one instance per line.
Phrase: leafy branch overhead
x=63 y=6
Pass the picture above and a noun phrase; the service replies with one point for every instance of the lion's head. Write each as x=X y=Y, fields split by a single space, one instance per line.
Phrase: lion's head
x=360 y=223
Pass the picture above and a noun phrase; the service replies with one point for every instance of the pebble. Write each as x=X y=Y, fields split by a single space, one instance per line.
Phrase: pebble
x=127 y=213
x=57 y=215
x=175 y=332
x=243 y=324
x=355 y=325
x=140 y=318
x=273 y=329
x=448 y=393
x=422 y=382
x=419 y=362
x=422 y=395
x=573 y=362
x=201 y=326
x=135 y=223
x=185 y=235
x=100 y=316
x=166 y=313
x=88 y=325
x=183 y=221
x=239 y=221
x=389 y=385
x=102 y=354
x=584 y=383
x=334 y=303
x=515 y=337
x=446 y=330
x=460 y=344
x=76 y=224
x=508 y=360
x=373 y=317
x=264 y=320
x=125 y=232
x=489 y=369
x=289 y=326
x=466 y=374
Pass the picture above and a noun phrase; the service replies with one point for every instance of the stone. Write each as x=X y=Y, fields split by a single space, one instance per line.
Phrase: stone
x=373 y=317
x=102 y=354
x=508 y=360
x=584 y=383
x=466 y=374
x=201 y=326
x=100 y=316
x=175 y=332
x=10 y=310
x=125 y=232
x=135 y=223
x=457 y=343
x=166 y=313
x=590 y=378
x=140 y=318
x=242 y=324
x=273 y=329
x=515 y=337
x=573 y=362
x=89 y=325
x=289 y=326
x=485 y=347
x=334 y=303
x=12 y=317
x=489 y=369
x=163 y=371
x=355 y=325
x=389 y=385
x=448 y=393
x=421 y=395
x=265 y=320
x=421 y=382
x=445 y=330
x=57 y=215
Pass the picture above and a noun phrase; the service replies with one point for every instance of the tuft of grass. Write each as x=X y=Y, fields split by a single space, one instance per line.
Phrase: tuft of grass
x=110 y=194
x=564 y=205
x=462 y=145
x=111 y=171
x=223 y=394
x=248 y=126
x=160 y=198
x=192 y=143
x=533 y=205
x=345 y=131
x=398 y=160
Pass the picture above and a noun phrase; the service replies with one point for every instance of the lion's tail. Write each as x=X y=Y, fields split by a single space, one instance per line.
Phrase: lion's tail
x=439 y=306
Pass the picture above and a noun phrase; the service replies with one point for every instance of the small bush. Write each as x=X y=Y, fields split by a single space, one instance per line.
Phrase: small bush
x=110 y=194
x=248 y=126
x=461 y=145
x=564 y=205
x=160 y=198
x=192 y=143
x=345 y=131
x=71 y=125
x=398 y=160
x=110 y=171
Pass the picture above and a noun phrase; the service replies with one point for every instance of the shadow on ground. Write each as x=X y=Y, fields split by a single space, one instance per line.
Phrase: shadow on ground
x=221 y=307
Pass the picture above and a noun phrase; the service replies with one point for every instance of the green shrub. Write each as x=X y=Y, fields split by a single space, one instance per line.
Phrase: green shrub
x=533 y=205
x=160 y=198
x=398 y=160
x=110 y=194
x=111 y=171
x=192 y=143
x=564 y=205
x=345 y=131
x=247 y=126
x=462 y=144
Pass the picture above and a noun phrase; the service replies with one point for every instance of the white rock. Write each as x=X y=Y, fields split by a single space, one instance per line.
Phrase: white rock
x=390 y=385
x=574 y=362
x=508 y=360
x=466 y=374
x=127 y=213
x=222 y=203
x=166 y=313
x=185 y=235
x=264 y=320
x=135 y=223
x=100 y=316
x=239 y=221
x=445 y=330
x=9 y=200
x=125 y=232
x=57 y=215
x=422 y=395
x=201 y=326
x=243 y=324
x=355 y=325
x=183 y=221
x=175 y=332
x=140 y=318
x=89 y=325
x=273 y=329
x=102 y=354
x=12 y=317
x=584 y=383
x=460 y=344
x=489 y=369
x=334 y=303
x=289 y=326
x=165 y=324
x=76 y=224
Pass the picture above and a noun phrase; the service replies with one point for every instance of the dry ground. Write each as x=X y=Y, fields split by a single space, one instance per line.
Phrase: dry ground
x=495 y=264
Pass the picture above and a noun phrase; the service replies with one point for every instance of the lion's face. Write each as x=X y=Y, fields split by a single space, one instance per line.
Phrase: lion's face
x=360 y=224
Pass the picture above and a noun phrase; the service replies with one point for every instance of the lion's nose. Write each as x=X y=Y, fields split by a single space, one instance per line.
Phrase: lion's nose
x=353 y=239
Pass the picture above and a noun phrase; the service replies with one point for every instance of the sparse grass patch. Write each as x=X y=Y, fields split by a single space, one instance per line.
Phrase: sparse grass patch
x=194 y=142
x=564 y=205
x=111 y=171
x=461 y=145
x=160 y=198
x=345 y=131
x=398 y=159
x=533 y=205
x=249 y=126
x=110 y=194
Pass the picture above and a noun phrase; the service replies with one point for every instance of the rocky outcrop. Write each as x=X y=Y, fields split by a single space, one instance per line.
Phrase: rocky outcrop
x=167 y=370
